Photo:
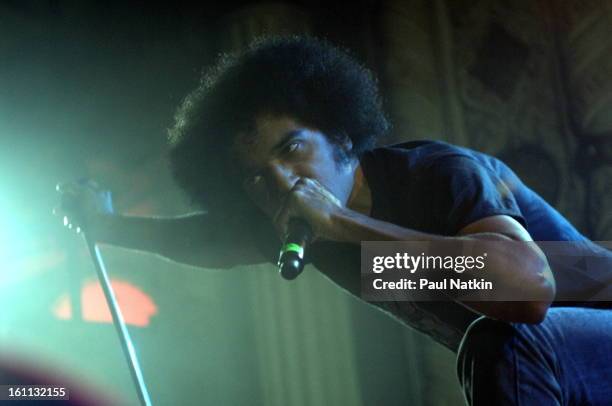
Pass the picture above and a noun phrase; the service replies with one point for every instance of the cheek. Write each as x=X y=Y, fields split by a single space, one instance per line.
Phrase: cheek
x=327 y=175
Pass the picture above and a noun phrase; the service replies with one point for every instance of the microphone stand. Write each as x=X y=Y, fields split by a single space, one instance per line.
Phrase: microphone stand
x=119 y=323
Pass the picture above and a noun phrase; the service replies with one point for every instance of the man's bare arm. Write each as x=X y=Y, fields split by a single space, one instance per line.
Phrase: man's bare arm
x=531 y=274
x=192 y=239
x=196 y=239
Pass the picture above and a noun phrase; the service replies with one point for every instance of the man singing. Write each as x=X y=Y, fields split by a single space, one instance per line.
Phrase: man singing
x=287 y=129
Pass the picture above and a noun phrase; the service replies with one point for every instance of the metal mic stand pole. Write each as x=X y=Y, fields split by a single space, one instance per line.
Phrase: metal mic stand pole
x=124 y=336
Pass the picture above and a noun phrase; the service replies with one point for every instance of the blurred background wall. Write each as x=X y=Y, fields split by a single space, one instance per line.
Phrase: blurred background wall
x=89 y=88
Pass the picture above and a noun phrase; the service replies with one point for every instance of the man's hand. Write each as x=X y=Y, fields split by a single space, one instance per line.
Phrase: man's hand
x=81 y=203
x=312 y=202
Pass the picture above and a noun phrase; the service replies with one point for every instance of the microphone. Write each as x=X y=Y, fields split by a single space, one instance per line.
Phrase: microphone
x=291 y=257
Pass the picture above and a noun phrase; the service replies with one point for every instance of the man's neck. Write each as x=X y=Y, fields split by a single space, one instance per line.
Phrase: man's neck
x=360 y=199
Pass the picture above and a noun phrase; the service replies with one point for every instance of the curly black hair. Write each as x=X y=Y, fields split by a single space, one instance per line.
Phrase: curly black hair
x=305 y=78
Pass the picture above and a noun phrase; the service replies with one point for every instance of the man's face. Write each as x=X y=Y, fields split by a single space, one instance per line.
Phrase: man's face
x=282 y=151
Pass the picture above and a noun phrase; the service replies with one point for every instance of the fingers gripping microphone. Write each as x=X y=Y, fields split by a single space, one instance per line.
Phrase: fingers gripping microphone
x=291 y=257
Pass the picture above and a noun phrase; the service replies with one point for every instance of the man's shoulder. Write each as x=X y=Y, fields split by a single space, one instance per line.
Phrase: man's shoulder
x=422 y=154
x=434 y=165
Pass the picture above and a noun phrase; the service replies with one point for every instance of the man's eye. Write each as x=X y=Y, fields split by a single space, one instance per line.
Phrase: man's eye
x=293 y=146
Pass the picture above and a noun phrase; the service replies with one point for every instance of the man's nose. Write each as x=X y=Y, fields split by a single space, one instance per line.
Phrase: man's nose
x=281 y=180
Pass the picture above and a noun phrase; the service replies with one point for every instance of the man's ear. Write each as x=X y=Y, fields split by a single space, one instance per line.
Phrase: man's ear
x=344 y=151
x=347 y=144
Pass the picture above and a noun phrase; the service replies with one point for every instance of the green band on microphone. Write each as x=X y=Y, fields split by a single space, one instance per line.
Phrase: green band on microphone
x=294 y=247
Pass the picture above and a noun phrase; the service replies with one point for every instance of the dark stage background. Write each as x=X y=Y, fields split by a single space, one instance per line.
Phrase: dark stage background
x=89 y=88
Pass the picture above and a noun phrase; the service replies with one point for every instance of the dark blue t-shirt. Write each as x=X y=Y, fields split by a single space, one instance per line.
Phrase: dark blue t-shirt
x=440 y=188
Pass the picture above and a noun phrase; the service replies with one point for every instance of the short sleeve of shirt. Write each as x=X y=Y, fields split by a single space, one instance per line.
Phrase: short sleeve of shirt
x=463 y=190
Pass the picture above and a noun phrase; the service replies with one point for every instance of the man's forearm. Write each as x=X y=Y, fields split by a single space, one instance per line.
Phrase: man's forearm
x=190 y=239
x=521 y=270
x=167 y=236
